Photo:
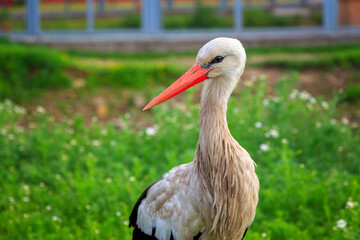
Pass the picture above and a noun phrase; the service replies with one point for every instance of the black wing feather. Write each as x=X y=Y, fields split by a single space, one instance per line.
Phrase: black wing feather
x=134 y=212
x=244 y=233
x=138 y=234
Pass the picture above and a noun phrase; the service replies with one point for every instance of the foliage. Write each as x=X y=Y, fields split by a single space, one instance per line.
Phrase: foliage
x=133 y=75
x=352 y=93
x=131 y=21
x=264 y=18
x=71 y=181
x=345 y=59
x=26 y=70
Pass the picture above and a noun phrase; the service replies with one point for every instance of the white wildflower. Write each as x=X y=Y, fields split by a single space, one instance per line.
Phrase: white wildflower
x=264 y=147
x=26 y=188
x=19 y=110
x=26 y=215
x=333 y=121
x=57 y=176
x=73 y=142
x=318 y=124
x=127 y=115
x=284 y=141
x=132 y=179
x=341 y=223
x=40 y=109
x=11 y=199
x=81 y=149
x=42 y=184
x=340 y=148
x=293 y=93
x=88 y=207
x=325 y=105
x=272 y=133
x=3 y=131
x=97 y=231
x=310 y=106
x=104 y=131
x=262 y=77
x=302 y=165
x=112 y=142
x=126 y=223
x=26 y=199
x=55 y=218
x=48 y=207
x=276 y=99
x=94 y=119
x=263 y=234
x=345 y=121
x=265 y=102
x=351 y=204
x=96 y=143
x=11 y=137
x=249 y=83
x=151 y=131
x=118 y=213
x=304 y=95
x=258 y=124
x=109 y=180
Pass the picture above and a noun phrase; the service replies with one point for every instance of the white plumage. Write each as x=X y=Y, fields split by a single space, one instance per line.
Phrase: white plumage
x=215 y=196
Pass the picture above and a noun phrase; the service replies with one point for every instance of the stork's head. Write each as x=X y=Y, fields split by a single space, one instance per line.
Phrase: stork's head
x=220 y=61
x=223 y=57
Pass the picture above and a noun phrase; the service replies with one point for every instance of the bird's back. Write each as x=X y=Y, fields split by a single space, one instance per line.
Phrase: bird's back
x=169 y=208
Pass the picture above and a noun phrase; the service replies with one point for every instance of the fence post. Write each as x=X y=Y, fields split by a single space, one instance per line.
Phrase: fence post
x=330 y=14
x=223 y=5
x=101 y=5
x=151 y=19
x=32 y=17
x=90 y=15
x=238 y=15
x=170 y=4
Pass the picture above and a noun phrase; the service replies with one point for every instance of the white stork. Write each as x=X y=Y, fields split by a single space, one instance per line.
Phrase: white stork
x=214 y=196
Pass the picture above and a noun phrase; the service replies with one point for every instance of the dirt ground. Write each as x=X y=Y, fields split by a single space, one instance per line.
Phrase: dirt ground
x=109 y=105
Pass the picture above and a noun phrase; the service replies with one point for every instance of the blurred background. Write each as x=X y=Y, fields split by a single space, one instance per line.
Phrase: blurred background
x=76 y=149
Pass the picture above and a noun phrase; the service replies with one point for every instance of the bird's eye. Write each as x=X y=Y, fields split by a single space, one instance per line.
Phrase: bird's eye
x=217 y=59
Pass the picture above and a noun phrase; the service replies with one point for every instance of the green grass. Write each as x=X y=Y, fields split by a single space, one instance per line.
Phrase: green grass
x=67 y=180
x=27 y=70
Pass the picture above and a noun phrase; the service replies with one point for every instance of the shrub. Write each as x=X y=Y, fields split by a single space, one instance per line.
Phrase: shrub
x=133 y=75
x=26 y=70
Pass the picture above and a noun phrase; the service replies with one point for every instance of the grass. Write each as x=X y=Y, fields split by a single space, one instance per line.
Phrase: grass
x=26 y=71
x=67 y=180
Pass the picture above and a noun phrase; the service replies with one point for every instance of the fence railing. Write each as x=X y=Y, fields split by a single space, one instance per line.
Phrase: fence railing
x=151 y=12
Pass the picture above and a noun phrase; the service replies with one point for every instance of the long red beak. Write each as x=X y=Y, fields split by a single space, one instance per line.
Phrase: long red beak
x=193 y=76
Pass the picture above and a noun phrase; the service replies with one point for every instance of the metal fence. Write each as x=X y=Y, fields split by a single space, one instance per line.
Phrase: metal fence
x=151 y=12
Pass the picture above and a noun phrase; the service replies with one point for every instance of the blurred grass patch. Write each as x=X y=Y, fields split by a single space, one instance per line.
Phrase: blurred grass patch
x=349 y=58
x=68 y=180
x=26 y=70
x=133 y=75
